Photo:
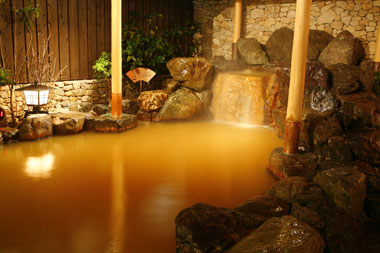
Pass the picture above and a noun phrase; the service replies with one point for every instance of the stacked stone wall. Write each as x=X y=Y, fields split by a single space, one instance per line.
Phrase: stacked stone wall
x=262 y=17
x=78 y=95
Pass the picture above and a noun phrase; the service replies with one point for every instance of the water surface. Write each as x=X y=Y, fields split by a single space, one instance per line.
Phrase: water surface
x=121 y=192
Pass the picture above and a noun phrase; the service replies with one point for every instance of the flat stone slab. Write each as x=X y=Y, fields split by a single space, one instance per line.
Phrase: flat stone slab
x=68 y=123
x=109 y=124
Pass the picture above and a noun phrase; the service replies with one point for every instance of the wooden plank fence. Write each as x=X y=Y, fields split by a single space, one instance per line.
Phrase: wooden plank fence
x=78 y=30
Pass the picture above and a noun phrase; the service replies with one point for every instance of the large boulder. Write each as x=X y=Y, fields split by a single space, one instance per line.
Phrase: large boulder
x=107 y=123
x=318 y=40
x=170 y=85
x=359 y=110
x=195 y=73
x=345 y=186
x=266 y=206
x=286 y=188
x=286 y=234
x=282 y=165
x=152 y=100
x=251 y=51
x=280 y=44
x=221 y=64
x=183 y=104
x=35 y=126
x=344 y=48
x=205 y=228
x=365 y=144
x=68 y=123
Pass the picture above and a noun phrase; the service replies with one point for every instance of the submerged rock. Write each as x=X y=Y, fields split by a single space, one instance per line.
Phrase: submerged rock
x=205 y=228
x=286 y=234
x=35 y=126
x=344 y=48
x=345 y=186
x=266 y=206
x=152 y=100
x=183 y=104
x=195 y=72
x=251 y=51
x=282 y=165
x=106 y=123
x=68 y=123
x=286 y=188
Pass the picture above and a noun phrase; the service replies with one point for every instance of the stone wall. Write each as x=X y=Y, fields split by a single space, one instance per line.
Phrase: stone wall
x=70 y=95
x=262 y=17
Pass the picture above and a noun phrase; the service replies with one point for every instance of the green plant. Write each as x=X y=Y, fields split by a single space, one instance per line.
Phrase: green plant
x=376 y=87
x=28 y=14
x=102 y=66
x=144 y=44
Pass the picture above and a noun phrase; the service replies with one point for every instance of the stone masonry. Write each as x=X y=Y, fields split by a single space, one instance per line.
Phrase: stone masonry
x=78 y=95
x=262 y=17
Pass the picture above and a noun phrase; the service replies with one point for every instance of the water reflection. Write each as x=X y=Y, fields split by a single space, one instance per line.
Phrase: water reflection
x=39 y=167
x=118 y=202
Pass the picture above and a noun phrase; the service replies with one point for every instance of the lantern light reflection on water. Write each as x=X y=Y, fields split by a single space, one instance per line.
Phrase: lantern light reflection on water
x=39 y=167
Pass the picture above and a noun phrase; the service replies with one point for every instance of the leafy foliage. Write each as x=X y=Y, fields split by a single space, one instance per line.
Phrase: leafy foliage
x=5 y=77
x=102 y=66
x=28 y=14
x=376 y=87
x=145 y=45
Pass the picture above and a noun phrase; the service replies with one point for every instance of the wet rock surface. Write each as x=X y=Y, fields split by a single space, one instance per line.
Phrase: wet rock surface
x=344 y=48
x=282 y=165
x=68 y=123
x=153 y=100
x=8 y=134
x=35 y=126
x=205 y=228
x=286 y=188
x=195 y=73
x=251 y=51
x=221 y=64
x=286 y=234
x=129 y=106
x=266 y=206
x=106 y=123
x=359 y=110
x=345 y=186
x=183 y=104
x=365 y=145
x=170 y=85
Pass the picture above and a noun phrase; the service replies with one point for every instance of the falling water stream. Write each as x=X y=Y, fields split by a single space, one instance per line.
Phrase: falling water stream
x=97 y=192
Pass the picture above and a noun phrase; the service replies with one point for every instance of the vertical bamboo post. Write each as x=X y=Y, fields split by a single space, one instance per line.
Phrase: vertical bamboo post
x=297 y=77
x=376 y=60
x=116 y=11
x=237 y=28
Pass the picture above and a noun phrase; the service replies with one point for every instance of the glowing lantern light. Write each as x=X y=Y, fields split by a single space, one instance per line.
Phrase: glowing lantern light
x=36 y=95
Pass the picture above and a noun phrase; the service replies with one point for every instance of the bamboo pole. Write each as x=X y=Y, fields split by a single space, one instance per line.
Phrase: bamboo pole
x=237 y=28
x=116 y=11
x=376 y=60
x=297 y=76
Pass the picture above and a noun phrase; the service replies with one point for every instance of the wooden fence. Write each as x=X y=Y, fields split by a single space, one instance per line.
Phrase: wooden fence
x=79 y=30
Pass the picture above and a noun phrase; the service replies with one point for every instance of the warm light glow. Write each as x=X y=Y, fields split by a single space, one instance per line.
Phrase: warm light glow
x=39 y=167
x=32 y=98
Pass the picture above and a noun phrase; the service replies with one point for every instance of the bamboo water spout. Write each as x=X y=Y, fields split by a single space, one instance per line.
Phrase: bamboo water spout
x=297 y=76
